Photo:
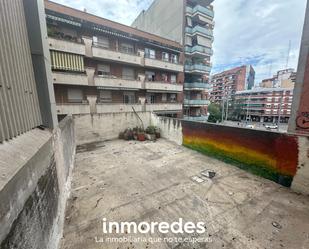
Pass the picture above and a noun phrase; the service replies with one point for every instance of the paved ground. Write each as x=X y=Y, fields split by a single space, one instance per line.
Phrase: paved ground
x=134 y=181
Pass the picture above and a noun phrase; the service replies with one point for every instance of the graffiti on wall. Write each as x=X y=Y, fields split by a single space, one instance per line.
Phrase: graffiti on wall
x=302 y=120
x=268 y=154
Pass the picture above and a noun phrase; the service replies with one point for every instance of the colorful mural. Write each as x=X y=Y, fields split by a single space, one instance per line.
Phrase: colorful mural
x=267 y=154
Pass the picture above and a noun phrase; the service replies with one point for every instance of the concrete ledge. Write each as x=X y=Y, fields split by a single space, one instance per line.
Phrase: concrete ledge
x=24 y=161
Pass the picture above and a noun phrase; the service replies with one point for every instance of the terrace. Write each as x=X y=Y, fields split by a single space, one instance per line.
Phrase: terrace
x=152 y=181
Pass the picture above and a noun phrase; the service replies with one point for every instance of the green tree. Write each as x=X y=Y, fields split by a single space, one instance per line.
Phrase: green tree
x=214 y=113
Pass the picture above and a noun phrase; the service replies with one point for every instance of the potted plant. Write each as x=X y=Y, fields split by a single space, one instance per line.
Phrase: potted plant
x=141 y=135
x=158 y=132
x=151 y=133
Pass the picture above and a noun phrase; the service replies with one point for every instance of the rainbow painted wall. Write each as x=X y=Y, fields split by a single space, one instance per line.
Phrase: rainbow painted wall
x=267 y=154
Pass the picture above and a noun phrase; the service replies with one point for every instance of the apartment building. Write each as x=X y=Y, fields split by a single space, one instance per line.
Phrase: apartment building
x=284 y=78
x=189 y=22
x=265 y=104
x=100 y=66
x=227 y=83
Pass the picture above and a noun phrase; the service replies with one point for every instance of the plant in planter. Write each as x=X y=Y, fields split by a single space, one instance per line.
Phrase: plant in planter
x=135 y=131
x=141 y=135
x=158 y=132
x=151 y=133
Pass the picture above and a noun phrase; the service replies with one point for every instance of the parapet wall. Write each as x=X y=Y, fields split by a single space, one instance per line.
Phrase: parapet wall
x=36 y=166
x=275 y=156
x=99 y=127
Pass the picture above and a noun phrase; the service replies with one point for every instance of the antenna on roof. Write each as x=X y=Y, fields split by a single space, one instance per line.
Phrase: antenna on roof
x=85 y=10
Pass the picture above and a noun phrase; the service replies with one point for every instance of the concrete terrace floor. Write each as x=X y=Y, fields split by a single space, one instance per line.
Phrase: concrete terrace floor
x=151 y=181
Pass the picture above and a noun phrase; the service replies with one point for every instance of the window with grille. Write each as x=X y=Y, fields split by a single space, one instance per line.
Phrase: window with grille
x=150 y=53
x=165 y=56
x=129 y=98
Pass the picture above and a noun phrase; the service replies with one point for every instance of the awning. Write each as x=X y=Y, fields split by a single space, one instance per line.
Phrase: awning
x=66 y=61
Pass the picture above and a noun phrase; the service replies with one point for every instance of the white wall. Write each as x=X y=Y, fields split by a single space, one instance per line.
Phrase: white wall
x=98 y=127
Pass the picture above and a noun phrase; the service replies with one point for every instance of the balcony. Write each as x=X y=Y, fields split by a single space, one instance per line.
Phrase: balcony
x=163 y=87
x=197 y=86
x=197 y=49
x=197 y=68
x=70 y=78
x=117 y=56
x=166 y=65
x=161 y=107
x=198 y=9
x=66 y=46
x=70 y=108
x=117 y=83
x=196 y=102
x=200 y=30
x=117 y=107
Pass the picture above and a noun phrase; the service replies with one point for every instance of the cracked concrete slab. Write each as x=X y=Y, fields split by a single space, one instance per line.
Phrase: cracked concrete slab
x=151 y=181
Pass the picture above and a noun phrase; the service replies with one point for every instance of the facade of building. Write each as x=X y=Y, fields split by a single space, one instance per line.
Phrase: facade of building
x=100 y=66
x=189 y=22
x=265 y=104
x=227 y=83
x=284 y=79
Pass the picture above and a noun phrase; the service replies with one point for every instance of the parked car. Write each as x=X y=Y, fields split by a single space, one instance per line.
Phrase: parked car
x=249 y=126
x=271 y=127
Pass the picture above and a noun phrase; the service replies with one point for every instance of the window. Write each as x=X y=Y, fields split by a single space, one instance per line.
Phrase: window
x=104 y=70
x=150 y=53
x=101 y=41
x=129 y=98
x=189 y=21
x=105 y=96
x=151 y=98
x=164 y=77
x=188 y=40
x=165 y=56
x=127 y=48
x=150 y=76
x=173 y=97
x=75 y=95
x=164 y=97
x=174 y=58
x=173 y=78
x=128 y=73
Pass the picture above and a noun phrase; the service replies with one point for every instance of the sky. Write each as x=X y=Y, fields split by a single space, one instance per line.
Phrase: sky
x=256 y=32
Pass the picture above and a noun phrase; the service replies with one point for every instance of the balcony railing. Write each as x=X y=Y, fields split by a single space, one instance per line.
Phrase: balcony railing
x=197 y=85
x=109 y=82
x=101 y=52
x=163 y=86
x=66 y=46
x=70 y=78
x=199 y=118
x=199 y=49
x=162 y=64
x=200 y=9
x=201 y=30
x=117 y=107
x=164 y=107
x=197 y=68
x=73 y=108
x=197 y=102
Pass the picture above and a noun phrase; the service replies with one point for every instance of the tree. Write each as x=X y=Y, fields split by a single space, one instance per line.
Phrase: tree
x=237 y=109
x=214 y=113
